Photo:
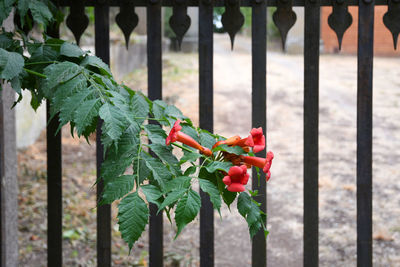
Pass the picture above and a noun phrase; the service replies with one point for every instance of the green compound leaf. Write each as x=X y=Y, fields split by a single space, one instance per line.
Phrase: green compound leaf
x=207 y=139
x=152 y=193
x=249 y=209
x=212 y=190
x=189 y=156
x=140 y=108
x=181 y=182
x=133 y=216
x=40 y=12
x=117 y=188
x=172 y=197
x=187 y=209
x=165 y=154
x=158 y=110
x=114 y=121
x=160 y=172
x=219 y=166
x=71 y=104
x=71 y=50
x=59 y=73
x=96 y=63
x=156 y=134
x=11 y=64
x=85 y=114
x=230 y=149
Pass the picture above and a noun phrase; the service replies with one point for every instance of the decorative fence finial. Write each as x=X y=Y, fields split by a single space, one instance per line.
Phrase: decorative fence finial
x=232 y=19
x=391 y=19
x=180 y=21
x=340 y=19
x=284 y=18
x=77 y=20
x=127 y=20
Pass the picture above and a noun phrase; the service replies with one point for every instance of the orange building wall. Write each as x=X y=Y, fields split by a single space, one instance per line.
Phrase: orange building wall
x=383 y=41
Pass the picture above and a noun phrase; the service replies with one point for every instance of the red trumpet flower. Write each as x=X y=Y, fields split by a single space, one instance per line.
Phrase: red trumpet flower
x=236 y=179
x=258 y=139
x=264 y=164
x=176 y=135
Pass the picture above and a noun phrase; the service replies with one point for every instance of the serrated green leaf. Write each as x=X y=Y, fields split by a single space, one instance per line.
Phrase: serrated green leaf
x=160 y=173
x=228 y=197
x=189 y=171
x=114 y=121
x=212 y=190
x=133 y=216
x=156 y=134
x=71 y=104
x=187 y=209
x=171 y=198
x=59 y=73
x=219 y=166
x=140 y=108
x=190 y=156
x=117 y=188
x=140 y=167
x=152 y=193
x=71 y=50
x=40 y=12
x=5 y=9
x=172 y=113
x=42 y=53
x=230 y=149
x=165 y=154
x=206 y=139
x=66 y=90
x=85 y=114
x=16 y=84
x=158 y=110
x=23 y=6
x=93 y=61
x=11 y=64
x=248 y=208
x=181 y=182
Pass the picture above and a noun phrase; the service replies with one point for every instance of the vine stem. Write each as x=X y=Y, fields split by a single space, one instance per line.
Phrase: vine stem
x=190 y=150
x=39 y=63
x=35 y=73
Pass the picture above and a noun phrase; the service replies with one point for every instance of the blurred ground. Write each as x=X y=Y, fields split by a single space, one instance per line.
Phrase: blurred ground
x=232 y=107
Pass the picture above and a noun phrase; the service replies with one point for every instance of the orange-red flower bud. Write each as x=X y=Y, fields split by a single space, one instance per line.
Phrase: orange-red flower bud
x=205 y=151
x=229 y=141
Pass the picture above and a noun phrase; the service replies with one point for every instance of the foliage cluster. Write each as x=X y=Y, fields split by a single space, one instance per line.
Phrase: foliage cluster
x=82 y=93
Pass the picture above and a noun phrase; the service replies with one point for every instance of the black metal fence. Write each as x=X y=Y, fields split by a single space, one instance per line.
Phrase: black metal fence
x=284 y=18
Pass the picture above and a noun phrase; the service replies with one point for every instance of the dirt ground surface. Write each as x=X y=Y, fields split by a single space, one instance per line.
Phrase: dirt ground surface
x=232 y=115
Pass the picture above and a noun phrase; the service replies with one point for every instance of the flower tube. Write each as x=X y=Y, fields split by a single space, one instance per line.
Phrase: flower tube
x=176 y=135
x=264 y=164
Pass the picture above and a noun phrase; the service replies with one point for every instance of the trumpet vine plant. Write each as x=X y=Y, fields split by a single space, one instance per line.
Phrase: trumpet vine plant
x=138 y=134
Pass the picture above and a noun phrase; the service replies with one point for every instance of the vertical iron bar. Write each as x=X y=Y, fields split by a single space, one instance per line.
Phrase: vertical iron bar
x=206 y=121
x=54 y=183
x=259 y=114
x=154 y=70
x=102 y=47
x=364 y=132
x=54 y=193
x=311 y=109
